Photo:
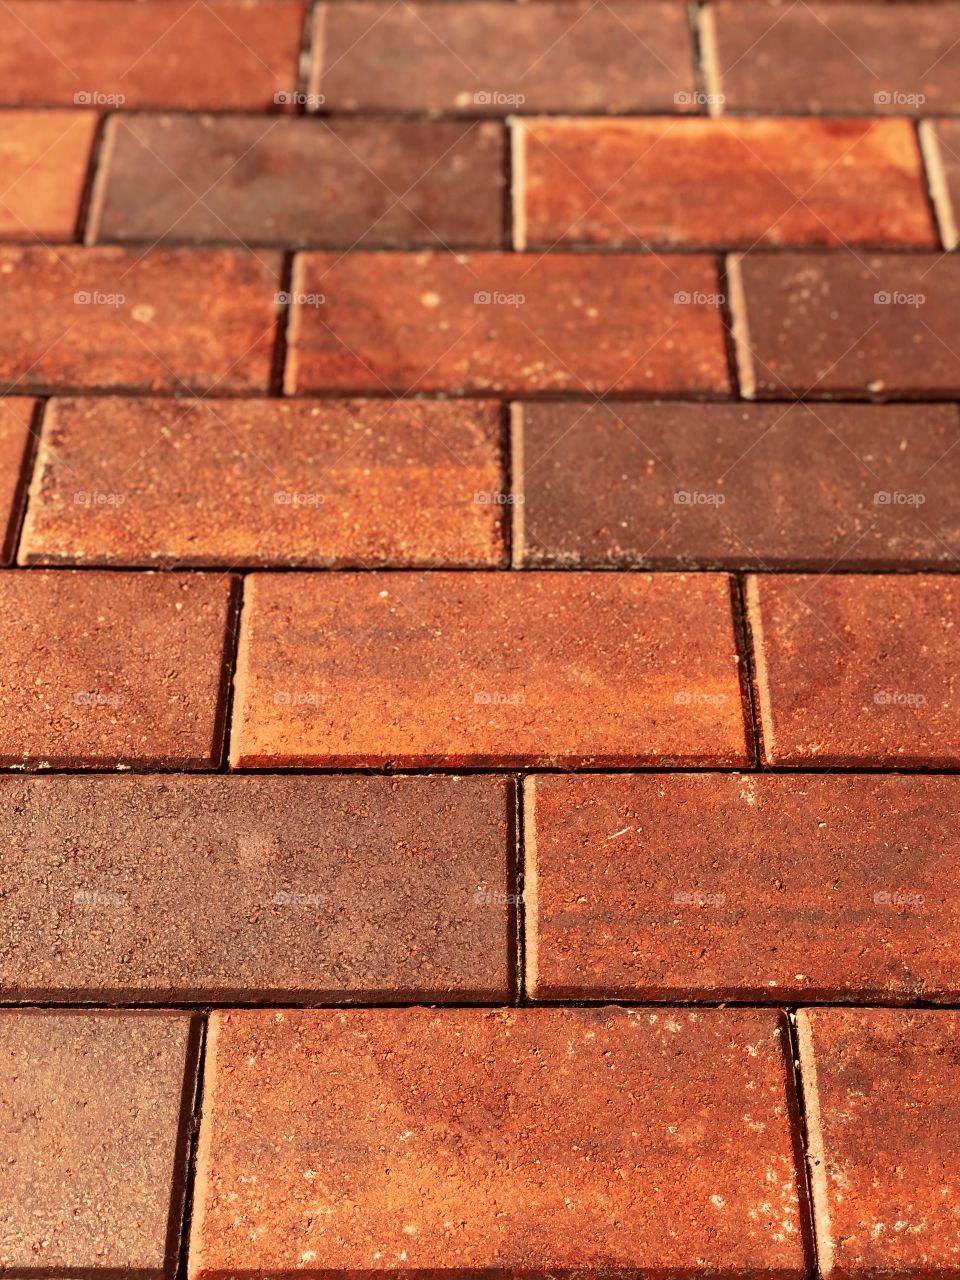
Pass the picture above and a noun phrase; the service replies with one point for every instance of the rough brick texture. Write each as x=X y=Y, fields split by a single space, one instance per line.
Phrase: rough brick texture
x=526 y=1141
x=16 y=415
x=43 y=160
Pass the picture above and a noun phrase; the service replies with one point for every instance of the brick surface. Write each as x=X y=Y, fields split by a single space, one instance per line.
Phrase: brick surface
x=481 y=56
x=845 y=325
x=91 y=1121
x=526 y=1141
x=43 y=166
x=941 y=147
x=107 y=670
x=16 y=414
x=736 y=486
x=857 y=670
x=163 y=320
x=339 y=888
x=293 y=181
x=486 y=669
x=167 y=53
x=732 y=886
x=719 y=183
x=504 y=323
x=881 y=1089
x=870 y=58
x=261 y=482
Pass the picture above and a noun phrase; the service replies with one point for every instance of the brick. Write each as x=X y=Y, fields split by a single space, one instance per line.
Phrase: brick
x=283 y=180
x=741 y=887
x=163 y=320
x=93 y=1123
x=857 y=670
x=843 y=325
x=16 y=415
x=320 y=484
x=940 y=140
x=489 y=322
x=43 y=163
x=169 y=53
x=510 y=1141
x=340 y=888
x=486 y=669
x=826 y=57
x=481 y=57
x=719 y=183
x=736 y=486
x=881 y=1089
x=111 y=670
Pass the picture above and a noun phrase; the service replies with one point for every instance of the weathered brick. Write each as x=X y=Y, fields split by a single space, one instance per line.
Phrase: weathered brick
x=857 y=670
x=162 y=320
x=736 y=486
x=321 y=484
x=870 y=58
x=93 y=1124
x=110 y=670
x=168 y=53
x=486 y=669
x=43 y=160
x=501 y=322
x=283 y=180
x=513 y=1141
x=339 y=888
x=485 y=57
x=882 y=1089
x=940 y=140
x=719 y=183
x=841 y=324
x=742 y=887
x=16 y=414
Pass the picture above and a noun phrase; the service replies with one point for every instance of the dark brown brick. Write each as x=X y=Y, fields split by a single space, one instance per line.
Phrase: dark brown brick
x=742 y=887
x=736 y=486
x=16 y=415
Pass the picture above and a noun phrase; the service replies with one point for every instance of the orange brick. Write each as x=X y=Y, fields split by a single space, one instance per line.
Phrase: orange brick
x=43 y=167
x=16 y=415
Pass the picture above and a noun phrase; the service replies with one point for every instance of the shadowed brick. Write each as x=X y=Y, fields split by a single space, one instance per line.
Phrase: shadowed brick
x=724 y=183
x=165 y=53
x=881 y=1089
x=91 y=1123
x=168 y=320
x=736 y=486
x=846 y=325
x=486 y=669
x=506 y=323
x=270 y=180
x=16 y=414
x=242 y=888
x=109 y=670
x=482 y=56
x=857 y=670
x=263 y=482
x=43 y=163
x=742 y=887
x=503 y=1142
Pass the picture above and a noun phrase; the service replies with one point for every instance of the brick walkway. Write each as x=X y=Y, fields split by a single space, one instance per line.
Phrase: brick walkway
x=480 y=708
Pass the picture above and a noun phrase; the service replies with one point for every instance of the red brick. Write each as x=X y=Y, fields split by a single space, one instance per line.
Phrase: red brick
x=504 y=1142
x=321 y=484
x=163 y=320
x=339 y=888
x=110 y=670
x=832 y=57
x=736 y=486
x=435 y=322
x=43 y=159
x=881 y=1089
x=168 y=53
x=93 y=1129
x=719 y=183
x=481 y=56
x=940 y=140
x=741 y=887
x=294 y=181
x=16 y=415
x=840 y=325
x=857 y=670
x=486 y=669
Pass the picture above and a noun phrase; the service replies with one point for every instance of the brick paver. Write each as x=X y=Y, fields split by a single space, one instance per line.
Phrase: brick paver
x=43 y=161
x=16 y=416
